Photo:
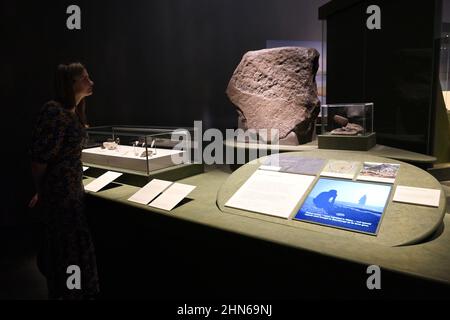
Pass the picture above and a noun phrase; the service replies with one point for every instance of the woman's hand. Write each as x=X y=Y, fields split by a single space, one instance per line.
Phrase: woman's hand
x=33 y=201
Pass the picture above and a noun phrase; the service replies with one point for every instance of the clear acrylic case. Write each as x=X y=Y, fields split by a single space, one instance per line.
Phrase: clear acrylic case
x=131 y=149
x=352 y=119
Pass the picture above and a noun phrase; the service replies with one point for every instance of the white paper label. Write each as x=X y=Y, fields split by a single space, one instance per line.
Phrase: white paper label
x=270 y=192
x=422 y=196
x=172 y=196
x=102 y=181
x=150 y=191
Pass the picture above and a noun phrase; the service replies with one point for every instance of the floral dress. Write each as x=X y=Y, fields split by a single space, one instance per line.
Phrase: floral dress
x=57 y=141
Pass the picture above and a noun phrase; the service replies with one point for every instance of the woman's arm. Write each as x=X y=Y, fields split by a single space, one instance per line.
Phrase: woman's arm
x=38 y=172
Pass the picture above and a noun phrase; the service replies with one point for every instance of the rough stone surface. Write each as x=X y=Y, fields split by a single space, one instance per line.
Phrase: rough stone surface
x=351 y=129
x=340 y=120
x=276 y=89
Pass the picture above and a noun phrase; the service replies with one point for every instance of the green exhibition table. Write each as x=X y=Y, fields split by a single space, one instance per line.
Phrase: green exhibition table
x=402 y=224
x=412 y=240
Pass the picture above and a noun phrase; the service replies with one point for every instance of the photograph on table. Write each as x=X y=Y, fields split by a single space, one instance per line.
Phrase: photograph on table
x=341 y=169
x=380 y=172
x=350 y=205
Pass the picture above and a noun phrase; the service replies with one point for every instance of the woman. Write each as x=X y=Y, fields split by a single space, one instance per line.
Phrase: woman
x=57 y=172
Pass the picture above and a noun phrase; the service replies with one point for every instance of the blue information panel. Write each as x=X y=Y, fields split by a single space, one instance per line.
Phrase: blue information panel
x=352 y=205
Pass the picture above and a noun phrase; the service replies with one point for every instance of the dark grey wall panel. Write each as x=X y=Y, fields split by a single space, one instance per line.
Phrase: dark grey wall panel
x=159 y=62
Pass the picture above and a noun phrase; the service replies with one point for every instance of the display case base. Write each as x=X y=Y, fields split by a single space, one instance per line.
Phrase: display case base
x=127 y=157
x=354 y=143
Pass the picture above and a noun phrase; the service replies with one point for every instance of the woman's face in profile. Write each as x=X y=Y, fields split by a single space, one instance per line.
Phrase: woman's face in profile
x=83 y=85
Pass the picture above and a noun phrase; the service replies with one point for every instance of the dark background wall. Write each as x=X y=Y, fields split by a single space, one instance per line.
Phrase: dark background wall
x=395 y=67
x=164 y=62
x=446 y=10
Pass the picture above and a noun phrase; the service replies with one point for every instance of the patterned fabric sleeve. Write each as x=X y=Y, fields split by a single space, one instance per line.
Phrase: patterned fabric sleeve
x=48 y=134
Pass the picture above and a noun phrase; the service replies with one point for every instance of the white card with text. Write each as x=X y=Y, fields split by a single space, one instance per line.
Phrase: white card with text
x=102 y=181
x=270 y=192
x=172 y=196
x=422 y=196
x=150 y=191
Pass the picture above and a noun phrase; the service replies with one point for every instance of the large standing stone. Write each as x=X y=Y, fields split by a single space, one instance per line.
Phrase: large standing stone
x=276 y=89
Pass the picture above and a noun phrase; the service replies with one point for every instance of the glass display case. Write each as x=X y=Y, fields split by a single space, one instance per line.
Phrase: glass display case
x=137 y=150
x=347 y=126
x=347 y=119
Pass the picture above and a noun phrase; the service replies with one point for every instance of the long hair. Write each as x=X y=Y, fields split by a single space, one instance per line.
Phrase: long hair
x=64 y=94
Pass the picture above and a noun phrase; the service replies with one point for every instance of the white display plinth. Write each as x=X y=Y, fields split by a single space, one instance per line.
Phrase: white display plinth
x=128 y=157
